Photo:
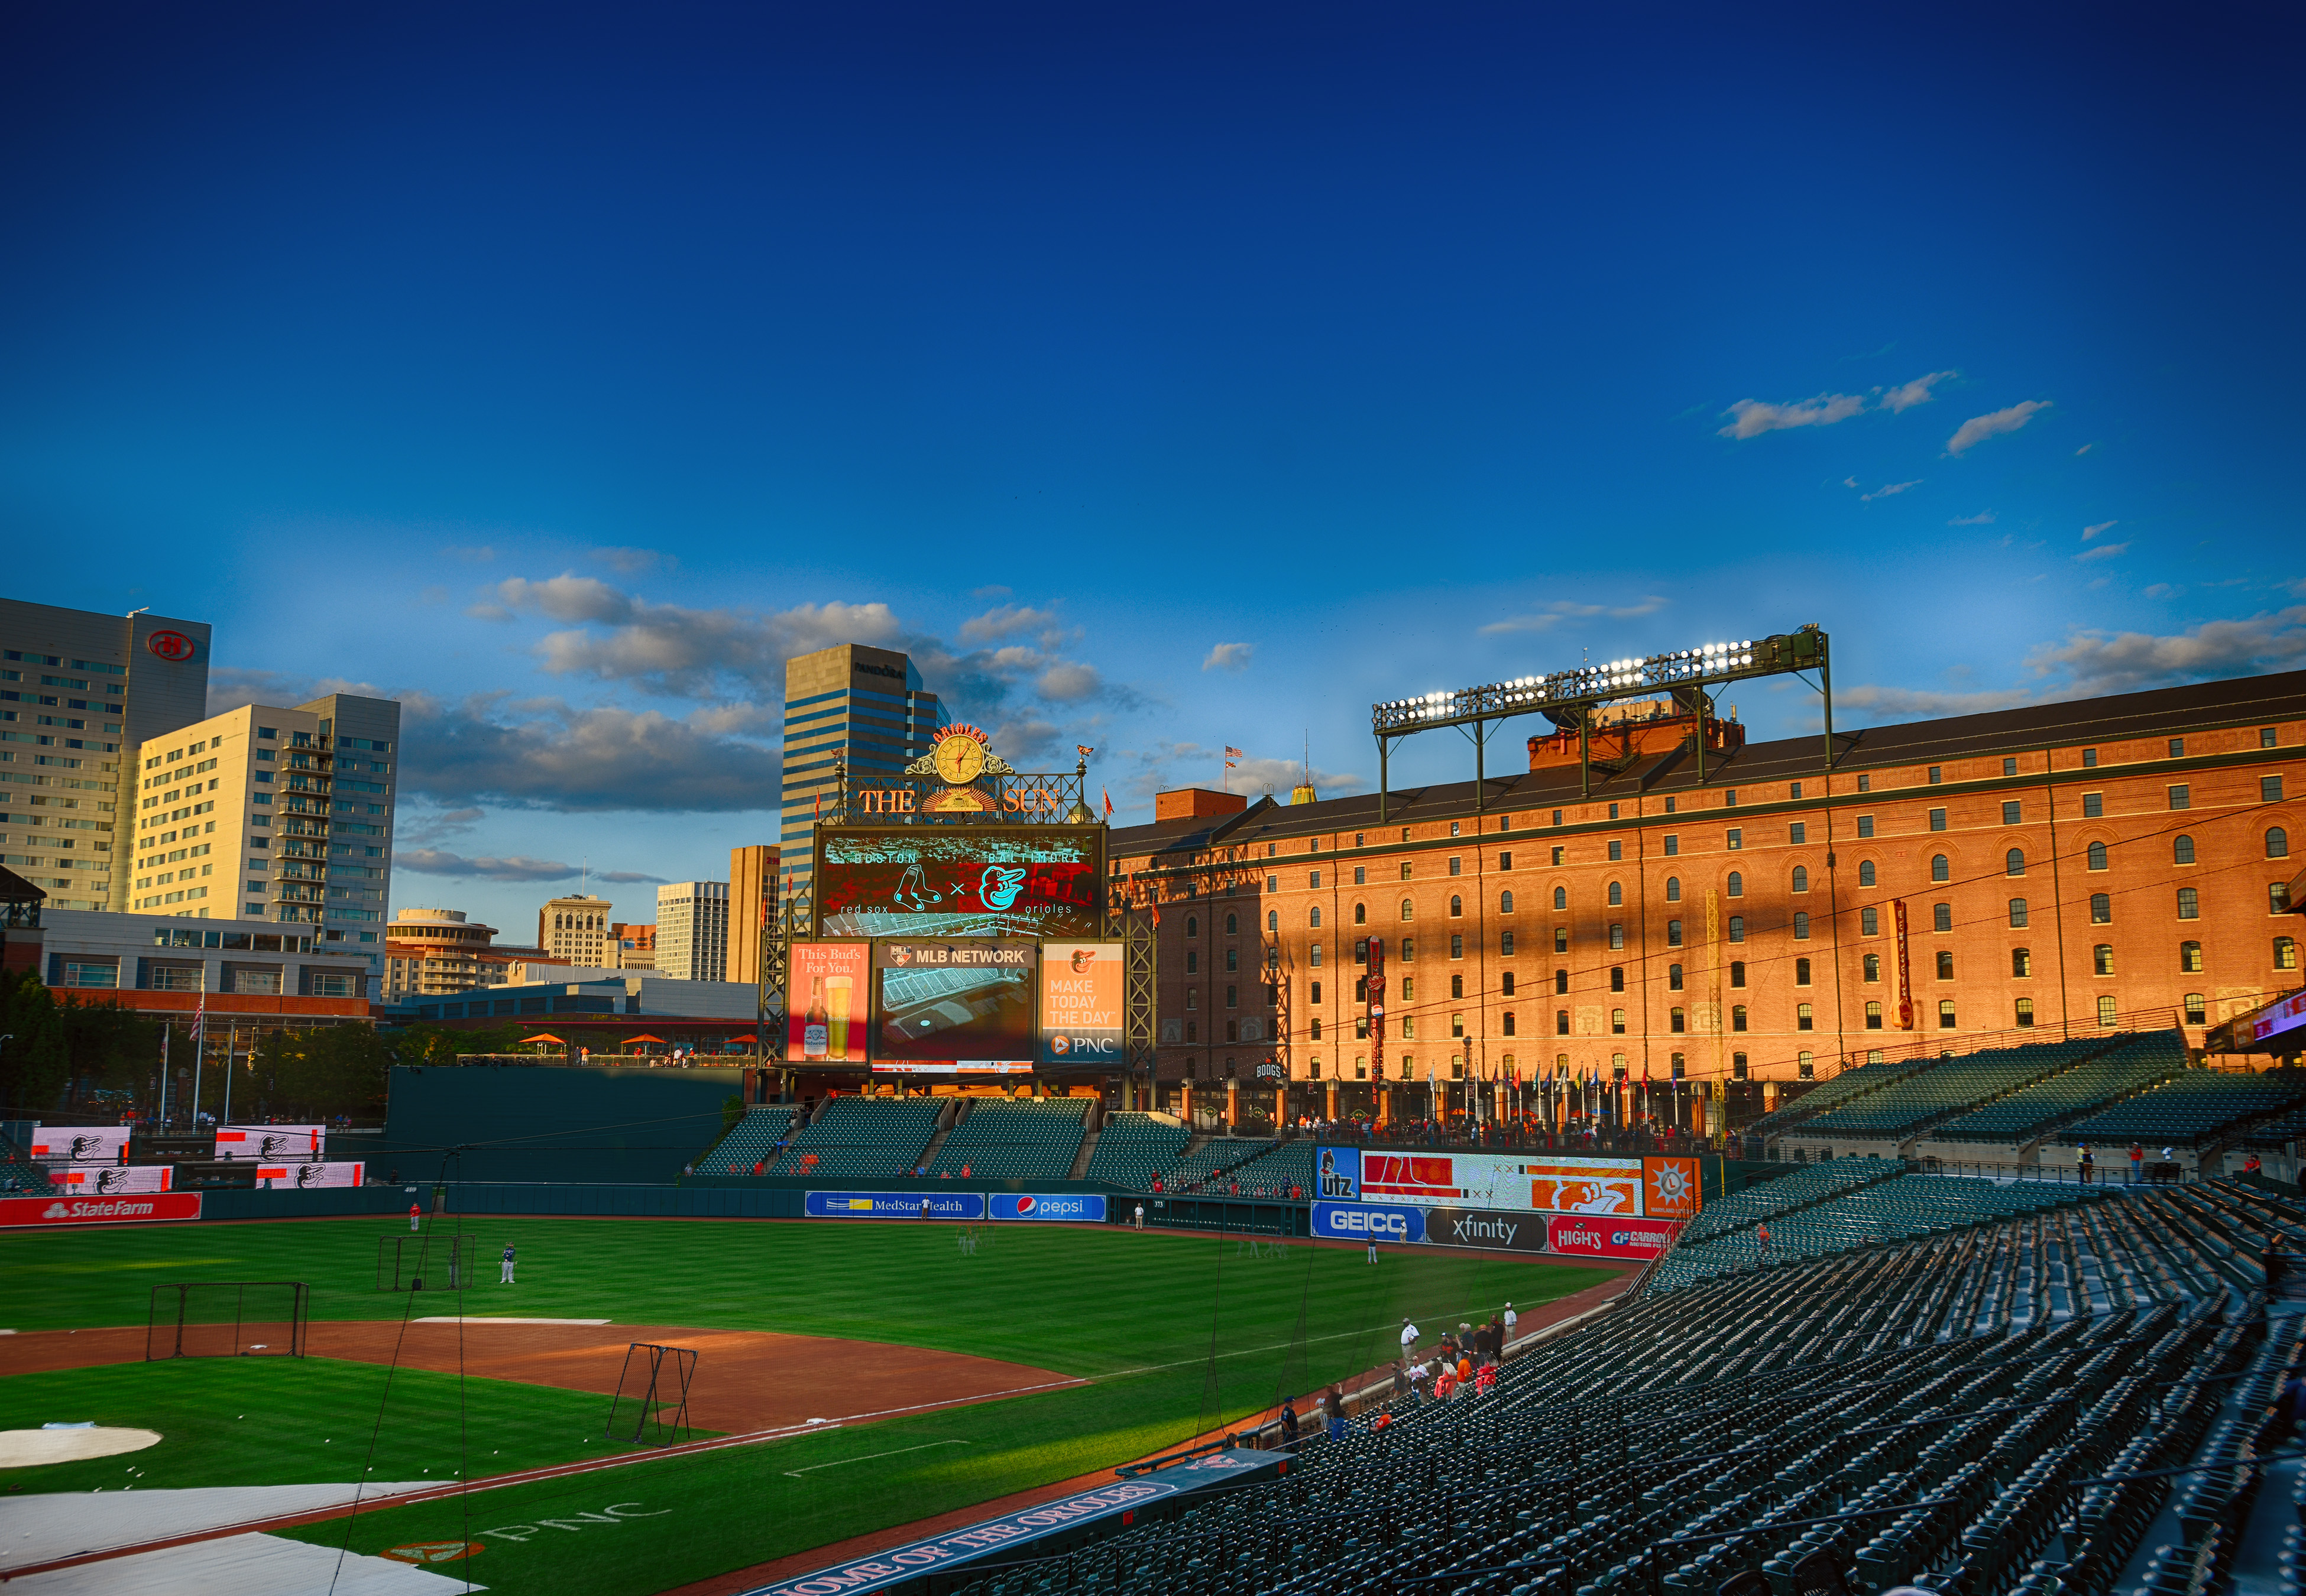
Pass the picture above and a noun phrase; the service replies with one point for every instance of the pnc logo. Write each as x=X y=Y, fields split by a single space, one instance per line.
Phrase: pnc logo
x=172 y=646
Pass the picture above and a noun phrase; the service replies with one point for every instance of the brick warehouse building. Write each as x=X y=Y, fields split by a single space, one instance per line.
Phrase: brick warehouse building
x=2110 y=863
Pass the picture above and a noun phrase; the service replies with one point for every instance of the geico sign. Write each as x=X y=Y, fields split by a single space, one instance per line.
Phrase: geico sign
x=1361 y=1221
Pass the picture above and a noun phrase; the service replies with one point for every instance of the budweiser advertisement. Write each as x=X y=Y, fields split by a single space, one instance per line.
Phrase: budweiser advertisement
x=308 y=1175
x=78 y=1144
x=270 y=1141
x=1545 y=1183
x=97 y=1179
x=16 y=1212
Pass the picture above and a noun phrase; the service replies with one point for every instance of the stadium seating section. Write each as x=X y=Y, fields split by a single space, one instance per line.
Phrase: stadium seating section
x=1287 y=1166
x=1005 y=1138
x=1788 y=1194
x=2195 y=1106
x=2028 y=1113
x=865 y=1137
x=1944 y=1089
x=1831 y=1094
x=1133 y=1148
x=754 y=1141
x=1210 y=1166
x=2006 y=1402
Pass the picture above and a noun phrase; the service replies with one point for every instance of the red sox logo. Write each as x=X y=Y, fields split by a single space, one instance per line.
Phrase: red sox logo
x=172 y=646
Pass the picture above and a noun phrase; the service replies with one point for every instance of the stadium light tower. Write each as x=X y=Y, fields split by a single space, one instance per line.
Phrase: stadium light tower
x=1569 y=698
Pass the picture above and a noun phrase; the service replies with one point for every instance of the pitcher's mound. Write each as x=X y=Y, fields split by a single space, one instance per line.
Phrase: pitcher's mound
x=25 y=1448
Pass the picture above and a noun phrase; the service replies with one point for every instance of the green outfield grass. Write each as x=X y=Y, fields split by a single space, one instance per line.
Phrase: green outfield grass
x=1177 y=1331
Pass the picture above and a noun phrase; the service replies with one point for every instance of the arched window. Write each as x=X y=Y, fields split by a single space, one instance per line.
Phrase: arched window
x=2097 y=856
x=2190 y=904
x=2285 y=953
x=1617 y=893
x=1673 y=934
x=1505 y=903
x=1940 y=869
x=2102 y=959
x=2198 y=1011
x=1945 y=1014
x=1192 y=925
x=1561 y=897
x=2013 y=863
x=1736 y=1017
x=1736 y=927
x=2190 y=958
x=1273 y=919
x=1507 y=1017
x=1874 y=1016
x=1866 y=873
x=2021 y=963
x=2101 y=910
x=1801 y=878
x=1361 y=914
x=1801 y=925
x=2017 y=914
x=1312 y=918
x=1673 y=889
x=2181 y=851
x=1941 y=916
x=1408 y=909
x=1676 y=1020
x=2277 y=843
x=1232 y=924
x=1456 y=906
x=1737 y=888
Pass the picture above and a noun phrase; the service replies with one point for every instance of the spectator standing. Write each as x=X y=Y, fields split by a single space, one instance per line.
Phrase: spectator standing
x=1762 y=1237
x=1408 y=1330
x=2137 y=1161
x=1289 y=1422
x=1141 y=1216
x=504 y=1276
x=1513 y=1320
x=414 y=1212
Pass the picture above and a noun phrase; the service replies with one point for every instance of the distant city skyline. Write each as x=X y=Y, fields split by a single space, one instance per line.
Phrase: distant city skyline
x=1157 y=380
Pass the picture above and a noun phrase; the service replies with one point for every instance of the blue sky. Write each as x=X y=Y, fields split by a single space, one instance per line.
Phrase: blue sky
x=1162 y=377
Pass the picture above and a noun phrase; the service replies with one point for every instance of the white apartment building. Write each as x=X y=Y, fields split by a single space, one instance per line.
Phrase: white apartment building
x=575 y=930
x=264 y=812
x=78 y=692
x=692 y=930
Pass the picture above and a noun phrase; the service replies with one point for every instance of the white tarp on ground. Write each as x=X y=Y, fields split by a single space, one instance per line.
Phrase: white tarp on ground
x=40 y=1529
x=244 y=1565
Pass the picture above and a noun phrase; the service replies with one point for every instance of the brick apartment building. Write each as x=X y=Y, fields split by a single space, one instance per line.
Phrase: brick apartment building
x=2112 y=863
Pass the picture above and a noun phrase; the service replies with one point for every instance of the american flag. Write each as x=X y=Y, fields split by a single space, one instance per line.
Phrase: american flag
x=1232 y=754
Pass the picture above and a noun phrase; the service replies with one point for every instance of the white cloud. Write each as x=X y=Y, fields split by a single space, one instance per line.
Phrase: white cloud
x=1977 y=429
x=1229 y=656
x=1562 y=609
x=544 y=753
x=1983 y=519
x=1068 y=682
x=2103 y=552
x=2084 y=449
x=1891 y=491
x=2164 y=590
x=430 y=861
x=1907 y=395
x=1924 y=702
x=1168 y=766
x=631 y=561
x=1006 y=621
x=2090 y=531
x=1751 y=417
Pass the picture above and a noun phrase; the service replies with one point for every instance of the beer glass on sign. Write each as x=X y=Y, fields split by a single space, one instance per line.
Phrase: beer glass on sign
x=837 y=999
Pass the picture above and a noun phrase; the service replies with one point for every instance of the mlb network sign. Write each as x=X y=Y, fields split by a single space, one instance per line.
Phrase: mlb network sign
x=18 y=1211
x=1082 y=1208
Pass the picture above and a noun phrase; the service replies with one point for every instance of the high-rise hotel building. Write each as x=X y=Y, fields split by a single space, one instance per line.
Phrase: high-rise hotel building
x=692 y=930
x=849 y=703
x=78 y=692
x=273 y=813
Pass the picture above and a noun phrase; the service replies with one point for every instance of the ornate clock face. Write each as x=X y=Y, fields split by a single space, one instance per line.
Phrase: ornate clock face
x=960 y=760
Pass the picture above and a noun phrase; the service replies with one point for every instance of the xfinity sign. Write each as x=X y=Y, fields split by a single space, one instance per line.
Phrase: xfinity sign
x=1368 y=1222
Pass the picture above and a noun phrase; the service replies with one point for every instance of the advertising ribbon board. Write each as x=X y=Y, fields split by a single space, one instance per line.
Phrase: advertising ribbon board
x=1544 y=1182
x=20 y=1211
x=1368 y=1221
x=102 y=1180
x=1638 y=1239
x=308 y=1176
x=1486 y=1227
x=894 y=1205
x=965 y=1005
x=1075 y=1208
x=275 y=1142
x=831 y=983
x=1080 y=1005
x=1013 y=1533
x=78 y=1144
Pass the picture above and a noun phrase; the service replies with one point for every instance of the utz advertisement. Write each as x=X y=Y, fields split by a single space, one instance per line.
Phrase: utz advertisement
x=78 y=1144
x=16 y=1212
x=269 y=1141
x=1368 y=1221
x=928 y=881
x=1638 y=1239
x=831 y=985
x=894 y=1205
x=1338 y=1175
x=1078 y=1208
x=95 y=1180
x=1080 y=1005
x=308 y=1176
x=958 y=1005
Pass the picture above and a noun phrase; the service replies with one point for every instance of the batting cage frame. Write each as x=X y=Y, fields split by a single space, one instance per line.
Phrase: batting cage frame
x=221 y=1319
x=644 y=1395
x=399 y=1257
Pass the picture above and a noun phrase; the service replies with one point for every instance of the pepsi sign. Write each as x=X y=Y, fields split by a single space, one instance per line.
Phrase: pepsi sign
x=1368 y=1222
x=1076 y=1207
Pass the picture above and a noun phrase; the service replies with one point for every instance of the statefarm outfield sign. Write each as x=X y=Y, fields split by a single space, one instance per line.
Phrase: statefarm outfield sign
x=16 y=1212
x=938 y=1553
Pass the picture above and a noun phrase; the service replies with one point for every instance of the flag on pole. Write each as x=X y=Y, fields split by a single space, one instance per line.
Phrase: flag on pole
x=1107 y=797
x=1232 y=754
x=200 y=1010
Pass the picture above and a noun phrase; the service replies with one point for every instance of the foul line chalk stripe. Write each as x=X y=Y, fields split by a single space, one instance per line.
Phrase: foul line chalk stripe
x=870 y=1456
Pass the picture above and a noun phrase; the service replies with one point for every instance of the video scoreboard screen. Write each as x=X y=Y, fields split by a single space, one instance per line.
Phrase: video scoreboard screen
x=1041 y=882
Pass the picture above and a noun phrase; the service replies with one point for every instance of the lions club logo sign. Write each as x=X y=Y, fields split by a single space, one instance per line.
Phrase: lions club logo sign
x=172 y=646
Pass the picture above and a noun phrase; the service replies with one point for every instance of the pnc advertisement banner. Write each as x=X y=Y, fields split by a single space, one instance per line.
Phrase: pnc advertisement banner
x=95 y=1180
x=895 y=1205
x=18 y=1211
x=269 y=1141
x=1639 y=1239
x=1076 y=1207
x=78 y=1144
x=1080 y=1004
x=1368 y=1221
x=831 y=983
